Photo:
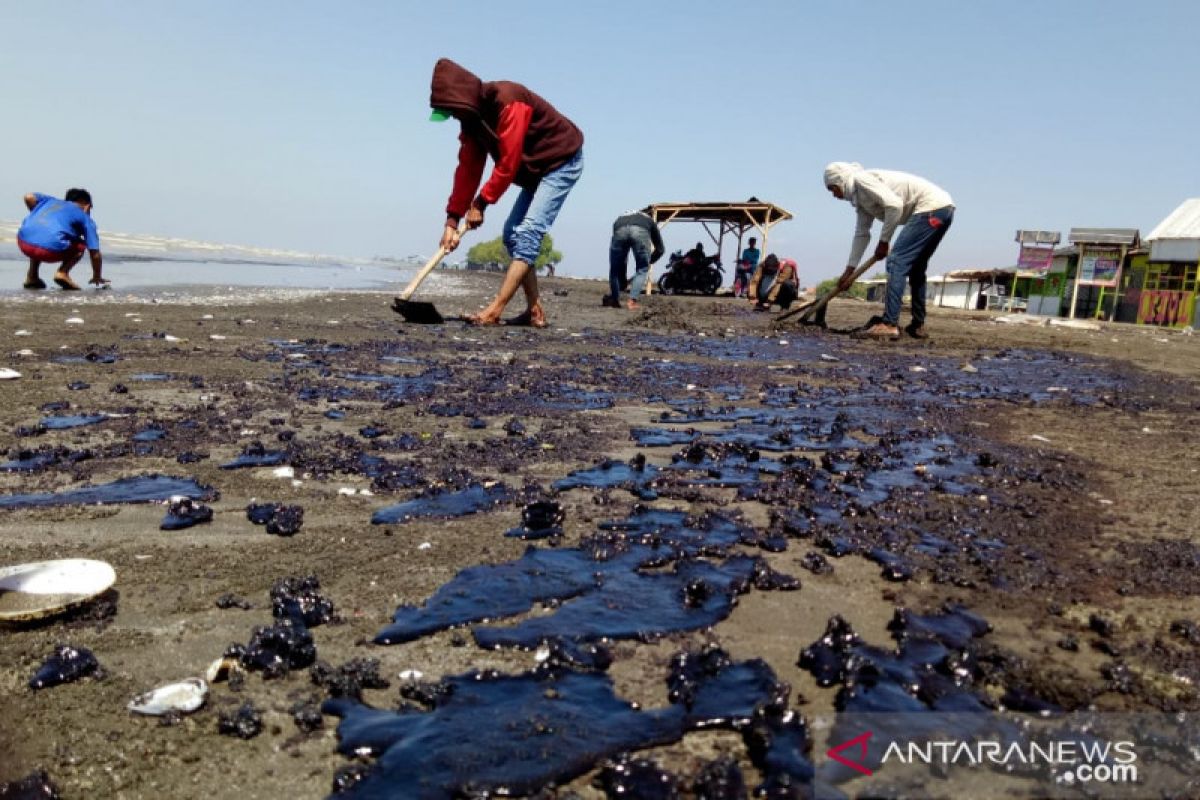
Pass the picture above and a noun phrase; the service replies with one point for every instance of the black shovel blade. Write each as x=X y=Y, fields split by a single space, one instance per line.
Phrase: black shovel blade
x=417 y=312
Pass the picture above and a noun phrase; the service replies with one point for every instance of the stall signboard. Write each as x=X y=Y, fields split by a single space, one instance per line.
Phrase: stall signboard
x=1166 y=308
x=1034 y=261
x=1099 y=266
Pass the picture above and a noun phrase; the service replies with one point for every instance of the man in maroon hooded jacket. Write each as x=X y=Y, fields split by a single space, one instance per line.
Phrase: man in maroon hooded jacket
x=531 y=145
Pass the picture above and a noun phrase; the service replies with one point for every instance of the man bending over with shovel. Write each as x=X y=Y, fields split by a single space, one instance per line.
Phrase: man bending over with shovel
x=895 y=198
x=531 y=145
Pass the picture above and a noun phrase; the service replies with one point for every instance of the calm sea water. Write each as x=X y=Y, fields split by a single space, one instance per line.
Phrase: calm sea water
x=221 y=281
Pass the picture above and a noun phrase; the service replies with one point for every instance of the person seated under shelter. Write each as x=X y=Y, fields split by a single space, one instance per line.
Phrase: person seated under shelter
x=776 y=281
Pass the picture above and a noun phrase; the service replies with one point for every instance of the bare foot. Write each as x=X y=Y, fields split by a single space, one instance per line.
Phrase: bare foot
x=481 y=319
x=633 y=305
x=64 y=280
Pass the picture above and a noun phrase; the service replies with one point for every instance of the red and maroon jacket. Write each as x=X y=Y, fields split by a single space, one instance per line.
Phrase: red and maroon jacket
x=525 y=135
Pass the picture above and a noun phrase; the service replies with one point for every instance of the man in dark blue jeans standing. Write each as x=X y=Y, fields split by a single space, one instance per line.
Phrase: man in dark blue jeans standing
x=632 y=231
x=894 y=198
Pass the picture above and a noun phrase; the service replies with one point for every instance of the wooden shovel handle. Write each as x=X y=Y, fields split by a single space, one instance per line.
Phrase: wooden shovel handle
x=808 y=309
x=430 y=265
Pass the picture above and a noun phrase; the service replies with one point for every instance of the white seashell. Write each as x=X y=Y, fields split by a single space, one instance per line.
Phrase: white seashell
x=424 y=546
x=44 y=588
x=216 y=337
x=22 y=332
x=969 y=368
x=183 y=697
x=411 y=674
x=170 y=338
x=1038 y=438
x=207 y=316
x=827 y=357
x=284 y=472
x=347 y=490
x=7 y=374
x=74 y=320
x=917 y=369
x=25 y=352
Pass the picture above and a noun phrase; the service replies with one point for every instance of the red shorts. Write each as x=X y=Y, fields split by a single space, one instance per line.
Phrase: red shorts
x=51 y=256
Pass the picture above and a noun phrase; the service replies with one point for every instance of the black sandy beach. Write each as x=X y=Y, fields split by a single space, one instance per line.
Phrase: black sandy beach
x=1019 y=497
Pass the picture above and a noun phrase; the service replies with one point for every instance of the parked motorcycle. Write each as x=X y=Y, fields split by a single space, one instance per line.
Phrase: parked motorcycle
x=685 y=273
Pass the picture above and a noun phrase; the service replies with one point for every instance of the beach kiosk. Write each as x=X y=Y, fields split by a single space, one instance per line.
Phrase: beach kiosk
x=1044 y=276
x=719 y=219
x=1168 y=292
x=1101 y=255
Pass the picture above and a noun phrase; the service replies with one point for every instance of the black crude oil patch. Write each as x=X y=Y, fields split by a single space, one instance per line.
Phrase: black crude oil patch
x=439 y=503
x=638 y=777
x=276 y=650
x=185 y=513
x=540 y=520
x=300 y=600
x=34 y=786
x=630 y=605
x=140 y=489
x=634 y=476
x=65 y=665
x=349 y=679
x=68 y=421
x=662 y=437
x=488 y=734
x=41 y=458
x=244 y=723
x=606 y=564
x=495 y=591
x=256 y=455
x=280 y=520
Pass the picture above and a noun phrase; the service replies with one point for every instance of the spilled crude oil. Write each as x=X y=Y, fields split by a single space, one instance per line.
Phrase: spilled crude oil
x=65 y=665
x=185 y=513
x=35 y=786
x=871 y=463
x=141 y=489
x=489 y=734
x=439 y=503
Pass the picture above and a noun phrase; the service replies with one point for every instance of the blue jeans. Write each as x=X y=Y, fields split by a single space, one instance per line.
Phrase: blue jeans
x=908 y=260
x=624 y=239
x=535 y=210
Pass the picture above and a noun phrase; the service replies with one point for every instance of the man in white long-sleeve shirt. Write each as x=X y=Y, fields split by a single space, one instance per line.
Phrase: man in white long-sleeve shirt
x=894 y=198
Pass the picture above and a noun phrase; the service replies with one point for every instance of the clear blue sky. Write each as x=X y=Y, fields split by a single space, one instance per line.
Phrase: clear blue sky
x=303 y=124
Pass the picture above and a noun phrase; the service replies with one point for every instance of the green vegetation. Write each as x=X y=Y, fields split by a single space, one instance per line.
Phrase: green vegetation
x=858 y=290
x=494 y=252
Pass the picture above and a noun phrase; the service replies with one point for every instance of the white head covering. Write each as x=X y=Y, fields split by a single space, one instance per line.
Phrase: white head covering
x=843 y=175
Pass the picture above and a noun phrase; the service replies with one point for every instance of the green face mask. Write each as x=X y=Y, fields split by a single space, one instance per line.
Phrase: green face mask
x=440 y=115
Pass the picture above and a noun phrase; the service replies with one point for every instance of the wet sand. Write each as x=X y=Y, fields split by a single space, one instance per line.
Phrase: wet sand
x=1087 y=487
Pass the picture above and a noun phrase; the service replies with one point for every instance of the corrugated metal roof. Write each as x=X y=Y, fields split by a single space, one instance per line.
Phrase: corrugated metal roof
x=1182 y=223
x=1104 y=236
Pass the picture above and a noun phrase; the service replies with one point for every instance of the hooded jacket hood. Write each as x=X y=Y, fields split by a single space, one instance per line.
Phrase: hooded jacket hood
x=549 y=141
x=455 y=88
x=843 y=175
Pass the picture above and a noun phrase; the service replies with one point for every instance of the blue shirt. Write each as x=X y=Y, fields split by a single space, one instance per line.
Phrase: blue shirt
x=57 y=225
x=750 y=256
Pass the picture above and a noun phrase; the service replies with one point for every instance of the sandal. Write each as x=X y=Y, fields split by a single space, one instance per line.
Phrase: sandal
x=525 y=319
x=38 y=284
x=66 y=283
